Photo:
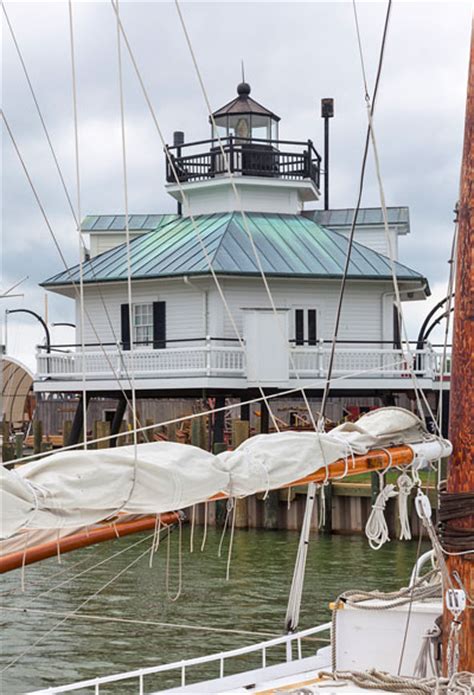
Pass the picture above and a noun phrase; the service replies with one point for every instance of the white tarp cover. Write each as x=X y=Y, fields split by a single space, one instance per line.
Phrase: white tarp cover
x=78 y=488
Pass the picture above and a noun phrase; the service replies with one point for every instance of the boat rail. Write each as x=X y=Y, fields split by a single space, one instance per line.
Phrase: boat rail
x=291 y=640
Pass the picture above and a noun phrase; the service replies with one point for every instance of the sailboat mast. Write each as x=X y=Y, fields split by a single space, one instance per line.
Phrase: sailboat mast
x=460 y=479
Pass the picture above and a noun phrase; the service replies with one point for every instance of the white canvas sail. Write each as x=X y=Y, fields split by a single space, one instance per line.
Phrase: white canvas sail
x=77 y=488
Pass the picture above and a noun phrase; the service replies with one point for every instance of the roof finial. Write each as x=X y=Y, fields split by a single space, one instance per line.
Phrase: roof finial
x=243 y=89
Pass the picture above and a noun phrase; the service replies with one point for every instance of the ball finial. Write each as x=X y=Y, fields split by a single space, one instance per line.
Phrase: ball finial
x=243 y=89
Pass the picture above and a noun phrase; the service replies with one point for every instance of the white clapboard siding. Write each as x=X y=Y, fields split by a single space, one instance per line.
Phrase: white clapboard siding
x=375 y=238
x=196 y=310
x=184 y=309
x=363 y=315
x=99 y=243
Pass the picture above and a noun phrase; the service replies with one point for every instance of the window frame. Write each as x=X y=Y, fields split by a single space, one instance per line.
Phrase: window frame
x=136 y=327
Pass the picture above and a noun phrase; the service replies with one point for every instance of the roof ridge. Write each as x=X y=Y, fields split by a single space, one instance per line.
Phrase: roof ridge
x=224 y=233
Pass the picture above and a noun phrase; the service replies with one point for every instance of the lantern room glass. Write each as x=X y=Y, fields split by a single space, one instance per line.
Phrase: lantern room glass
x=246 y=126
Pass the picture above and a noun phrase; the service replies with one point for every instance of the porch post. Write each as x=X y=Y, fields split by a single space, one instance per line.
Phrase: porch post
x=219 y=419
x=78 y=422
x=117 y=419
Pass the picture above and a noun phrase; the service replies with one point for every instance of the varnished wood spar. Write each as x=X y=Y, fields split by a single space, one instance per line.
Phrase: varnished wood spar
x=75 y=541
x=374 y=460
x=461 y=465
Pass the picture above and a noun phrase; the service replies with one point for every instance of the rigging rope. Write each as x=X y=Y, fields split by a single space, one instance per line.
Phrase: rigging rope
x=144 y=623
x=70 y=614
x=353 y=226
x=79 y=230
x=67 y=269
x=211 y=411
x=400 y=318
x=242 y=212
x=185 y=201
x=129 y=261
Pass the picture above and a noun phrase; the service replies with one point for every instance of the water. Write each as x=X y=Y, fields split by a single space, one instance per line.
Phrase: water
x=254 y=600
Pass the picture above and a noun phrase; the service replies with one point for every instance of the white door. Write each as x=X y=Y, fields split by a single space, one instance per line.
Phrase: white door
x=266 y=342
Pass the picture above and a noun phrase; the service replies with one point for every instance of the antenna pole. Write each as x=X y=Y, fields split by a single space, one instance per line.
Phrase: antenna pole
x=460 y=478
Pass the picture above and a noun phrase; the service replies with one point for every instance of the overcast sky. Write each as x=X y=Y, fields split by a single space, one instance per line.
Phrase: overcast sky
x=294 y=53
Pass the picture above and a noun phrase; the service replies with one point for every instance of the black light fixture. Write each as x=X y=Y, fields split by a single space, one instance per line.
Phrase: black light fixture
x=178 y=141
x=327 y=112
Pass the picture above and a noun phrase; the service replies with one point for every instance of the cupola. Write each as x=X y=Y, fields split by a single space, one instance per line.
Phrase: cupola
x=244 y=118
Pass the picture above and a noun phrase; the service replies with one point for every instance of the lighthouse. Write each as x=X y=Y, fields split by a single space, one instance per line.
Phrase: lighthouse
x=236 y=294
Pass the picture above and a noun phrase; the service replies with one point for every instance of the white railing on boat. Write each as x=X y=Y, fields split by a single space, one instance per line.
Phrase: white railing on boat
x=209 y=359
x=291 y=641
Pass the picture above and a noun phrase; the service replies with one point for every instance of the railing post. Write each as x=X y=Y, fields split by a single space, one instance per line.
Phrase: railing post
x=289 y=651
x=429 y=357
x=308 y=159
x=208 y=355
x=320 y=357
x=231 y=154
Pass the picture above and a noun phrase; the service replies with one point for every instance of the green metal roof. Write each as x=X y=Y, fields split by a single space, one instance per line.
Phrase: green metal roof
x=116 y=223
x=343 y=217
x=287 y=245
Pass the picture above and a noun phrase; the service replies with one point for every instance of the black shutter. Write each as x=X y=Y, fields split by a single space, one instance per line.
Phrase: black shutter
x=299 y=327
x=125 y=326
x=311 y=326
x=397 y=343
x=159 y=325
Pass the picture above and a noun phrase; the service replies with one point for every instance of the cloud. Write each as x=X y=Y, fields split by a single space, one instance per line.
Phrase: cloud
x=294 y=54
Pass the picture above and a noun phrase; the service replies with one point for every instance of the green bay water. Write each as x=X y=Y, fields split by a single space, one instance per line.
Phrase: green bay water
x=254 y=599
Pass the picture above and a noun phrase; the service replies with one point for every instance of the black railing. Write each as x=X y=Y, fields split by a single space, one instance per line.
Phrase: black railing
x=282 y=159
x=64 y=347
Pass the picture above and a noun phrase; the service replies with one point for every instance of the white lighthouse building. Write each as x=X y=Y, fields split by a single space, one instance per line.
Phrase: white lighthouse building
x=238 y=291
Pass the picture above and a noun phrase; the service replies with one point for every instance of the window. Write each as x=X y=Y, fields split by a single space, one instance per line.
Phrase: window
x=143 y=323
x=305 y=327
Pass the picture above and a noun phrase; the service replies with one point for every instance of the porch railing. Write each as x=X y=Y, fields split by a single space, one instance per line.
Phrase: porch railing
x=202 y=358
x=214 y=357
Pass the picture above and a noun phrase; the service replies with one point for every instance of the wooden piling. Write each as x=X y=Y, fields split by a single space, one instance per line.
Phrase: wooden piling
x=7 y=448
x=149 y=435
x=37 y=436
x=19 y=438
x=171 y=428
x=240 y=432
x=67 y=427
x=102 y=430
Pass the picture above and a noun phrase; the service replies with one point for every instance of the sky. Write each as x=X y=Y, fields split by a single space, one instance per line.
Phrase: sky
x=294 y=54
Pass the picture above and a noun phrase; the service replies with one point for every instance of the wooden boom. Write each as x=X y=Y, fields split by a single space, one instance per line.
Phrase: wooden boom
x=75 y=541
x=374 y=460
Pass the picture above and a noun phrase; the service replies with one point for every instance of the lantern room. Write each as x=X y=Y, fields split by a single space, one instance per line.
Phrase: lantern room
x=245 y=119
x=244 y=165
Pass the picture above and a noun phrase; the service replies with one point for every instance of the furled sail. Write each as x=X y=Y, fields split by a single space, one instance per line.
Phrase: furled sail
x=78 y=488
